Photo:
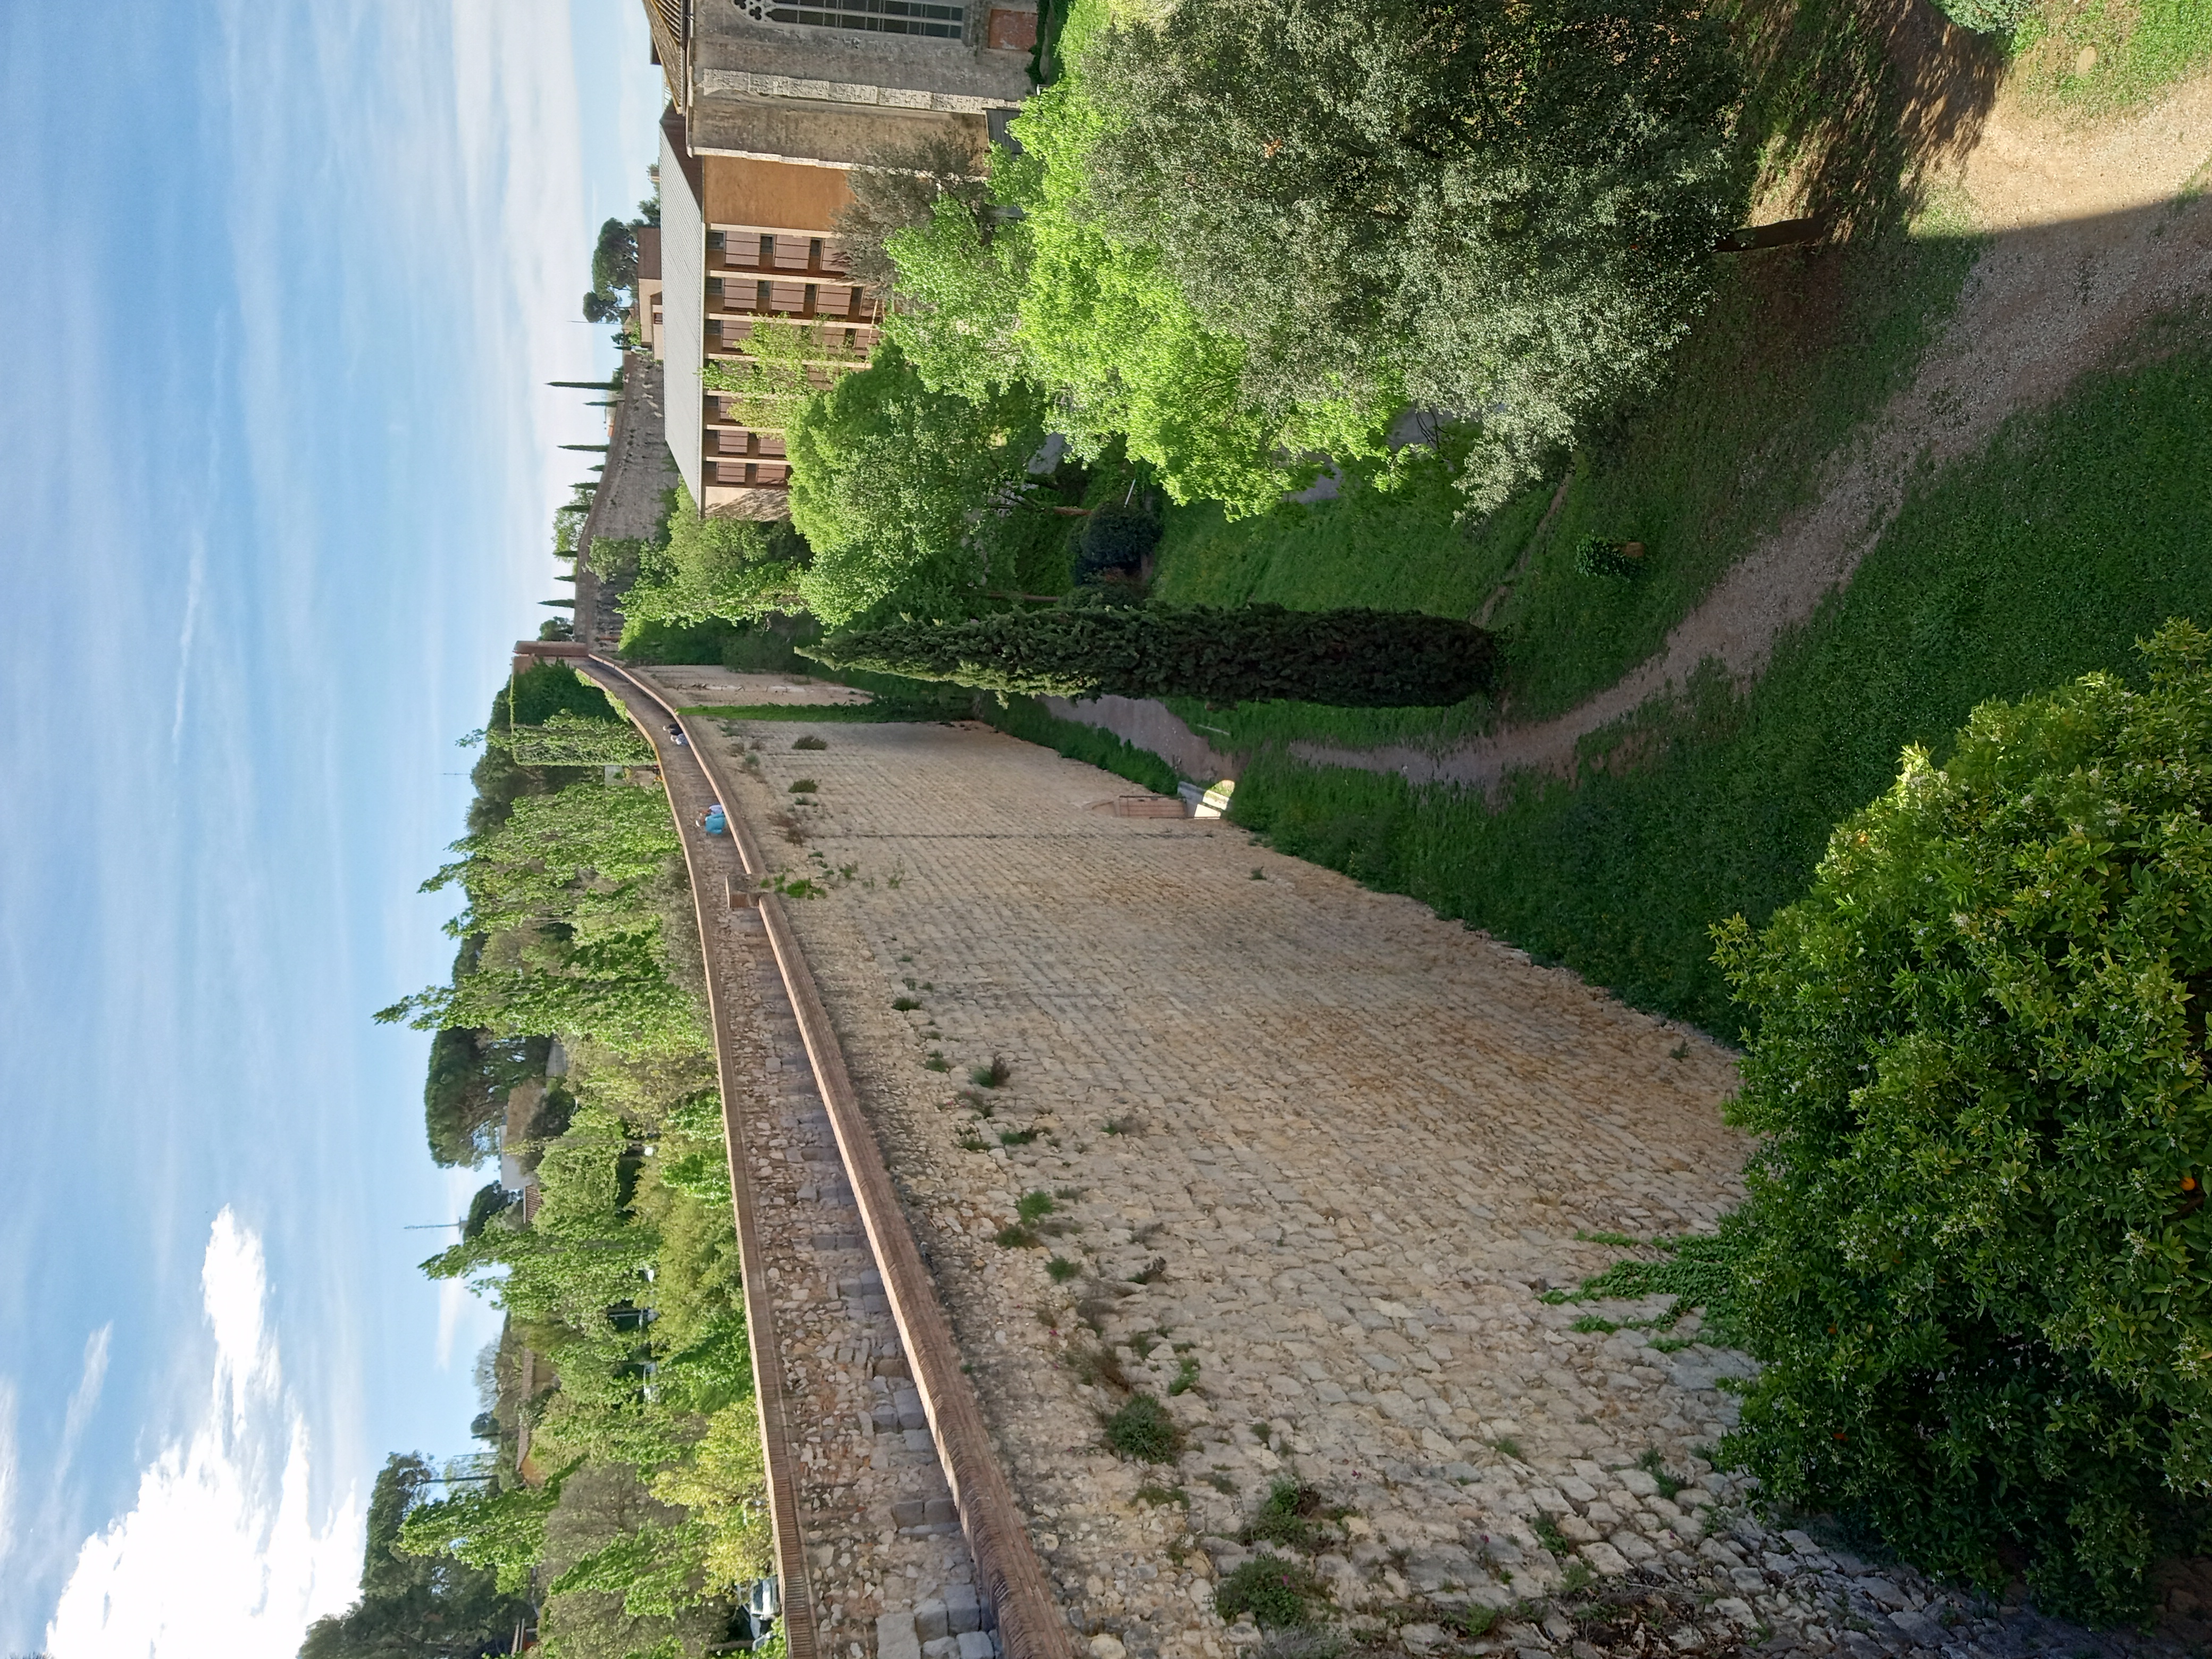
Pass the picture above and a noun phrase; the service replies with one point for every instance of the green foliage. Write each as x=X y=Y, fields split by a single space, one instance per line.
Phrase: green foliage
x=1598 y=555
x=1292 y=1516
x=886 y=474
x=1698 y=1270
x=1354 y=657
x=1977 y=1214
x=656 y=1570
x=899 y=187
x=427 y=1609
x=1116 y=538
x=739 y=570
x=1277 y=1592
x=491 y=1200
x=560 y=889
x=1797 y=347
x=1988 y=16
x=1142 y=1431
x=1509 y=210
x=1099 y=322
x=464 y=1095
x=2080 y=529
x=500 y=1531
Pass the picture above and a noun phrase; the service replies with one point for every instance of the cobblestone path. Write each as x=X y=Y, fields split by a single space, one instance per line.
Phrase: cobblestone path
x=1299 y=1161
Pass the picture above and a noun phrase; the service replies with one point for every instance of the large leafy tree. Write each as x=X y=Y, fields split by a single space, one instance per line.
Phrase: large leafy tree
x=736 y=569
x=1977 y=1240
x=561 y=894
x=1040 y=290
x=1507 y=211
x=412 y=1607
x=888 y=477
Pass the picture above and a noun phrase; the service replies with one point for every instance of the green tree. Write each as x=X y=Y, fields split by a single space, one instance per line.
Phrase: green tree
x=1507 y=212
x=1352 y=658
x=898 y=187
x=502 y=1532
x=1976 y=1238
x=412 y=1608
x=559 y=893
x=614 y=258
x=738 y=570
x=888 y=477
x=1048 y=295
x=470 y=1074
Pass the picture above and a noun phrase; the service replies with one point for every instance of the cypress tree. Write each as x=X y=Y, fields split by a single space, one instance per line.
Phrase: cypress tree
x=1349 y=659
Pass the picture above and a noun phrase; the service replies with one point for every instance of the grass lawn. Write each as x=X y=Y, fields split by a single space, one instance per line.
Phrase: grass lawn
x=2078 y=532
x=2095 y=59
x=1799 y=347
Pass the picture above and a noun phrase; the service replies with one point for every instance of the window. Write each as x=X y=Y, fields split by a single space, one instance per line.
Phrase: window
x=874 y=16
x=852 y=304
x=762 y=293
x=852 y=339
x=714 y=241
x=812 y=291
x=714 y=288
x=767 y=250
x=814 y=253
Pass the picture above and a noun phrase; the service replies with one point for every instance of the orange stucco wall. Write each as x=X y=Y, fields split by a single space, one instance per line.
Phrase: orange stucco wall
x=773 y=195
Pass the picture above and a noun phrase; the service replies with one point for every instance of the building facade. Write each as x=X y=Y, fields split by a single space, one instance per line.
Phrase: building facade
x=771 y=106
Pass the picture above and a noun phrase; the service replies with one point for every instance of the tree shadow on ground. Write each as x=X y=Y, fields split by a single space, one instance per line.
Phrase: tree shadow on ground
x=1852 y=105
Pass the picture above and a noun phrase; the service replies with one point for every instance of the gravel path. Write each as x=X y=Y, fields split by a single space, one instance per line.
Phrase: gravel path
x=2090 y=234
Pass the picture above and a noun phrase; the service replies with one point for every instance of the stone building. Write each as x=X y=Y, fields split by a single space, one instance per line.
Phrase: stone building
x=771 y=106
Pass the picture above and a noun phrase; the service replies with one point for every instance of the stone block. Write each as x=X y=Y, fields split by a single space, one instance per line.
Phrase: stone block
x=976 y=1644
x=962 y=1611
x=895 y=1636
x=929 y=1621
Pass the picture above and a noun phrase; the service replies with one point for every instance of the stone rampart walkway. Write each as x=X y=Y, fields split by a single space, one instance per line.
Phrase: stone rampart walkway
x=1311 y=1154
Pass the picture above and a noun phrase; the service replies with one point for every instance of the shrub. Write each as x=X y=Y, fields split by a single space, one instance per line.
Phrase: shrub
x=1988 y=16
x=994 y=1075
x=810 y=741
x=1292 y=1516
x=1594 y=556
x=1143 y=1431
x=1277 y=1591
x=1349 y=659
x=1975 y=1229
x=1115 y=538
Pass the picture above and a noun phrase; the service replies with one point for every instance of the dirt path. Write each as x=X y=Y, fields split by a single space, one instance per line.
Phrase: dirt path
x=2090 y=235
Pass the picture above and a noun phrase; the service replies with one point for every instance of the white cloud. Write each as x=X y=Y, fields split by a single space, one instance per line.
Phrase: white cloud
x=221 y=1553
x=89 y=1381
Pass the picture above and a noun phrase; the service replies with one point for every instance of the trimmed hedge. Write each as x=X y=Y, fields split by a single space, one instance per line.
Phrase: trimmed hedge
x=1348 y=658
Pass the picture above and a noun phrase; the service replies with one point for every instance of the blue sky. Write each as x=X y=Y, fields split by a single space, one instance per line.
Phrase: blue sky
x=276 y=479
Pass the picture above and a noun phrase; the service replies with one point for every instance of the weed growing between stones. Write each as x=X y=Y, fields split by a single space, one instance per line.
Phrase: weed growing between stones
x=1142 y=1432
x=1652 y=1466
x=1186 y=1376
x=802 y=786
x=1158 y=1495
x=993 y=1076
x=1151 y=1270
x=1698 y=1270
x=1549 y=1536
x=1061 y=1269
x=937 y=1062
x=904 y=1005
x=1017 y=1137
x=1120 y=1126
x=1293 y=1515
x=810 y=741
x=1506 y=1446
x=1275 y=1591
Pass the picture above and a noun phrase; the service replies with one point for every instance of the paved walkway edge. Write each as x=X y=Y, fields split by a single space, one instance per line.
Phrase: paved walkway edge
x=1029 y=1623
x=798 y=1601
